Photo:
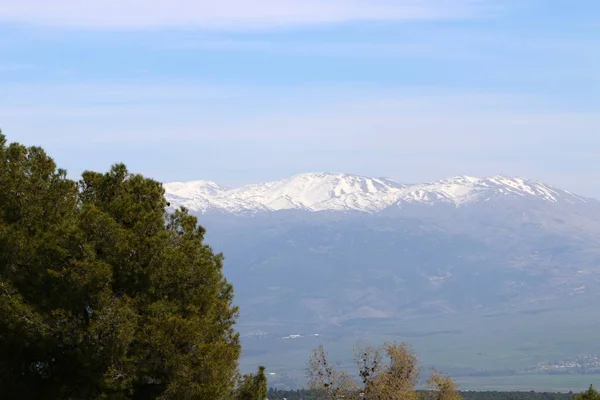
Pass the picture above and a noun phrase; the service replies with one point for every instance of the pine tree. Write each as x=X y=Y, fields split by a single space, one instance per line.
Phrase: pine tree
x=590 y=394
x=253 y=386
x=104 y=295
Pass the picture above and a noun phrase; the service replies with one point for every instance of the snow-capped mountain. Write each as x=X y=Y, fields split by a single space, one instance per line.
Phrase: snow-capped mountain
x=488 y=252
x=310 y=191
x=345 y=192
x=463 y=190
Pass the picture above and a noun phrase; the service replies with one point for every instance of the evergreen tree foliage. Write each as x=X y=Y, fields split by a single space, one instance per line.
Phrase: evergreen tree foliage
x=253 y=387
x=590 y=394
x=102 y=294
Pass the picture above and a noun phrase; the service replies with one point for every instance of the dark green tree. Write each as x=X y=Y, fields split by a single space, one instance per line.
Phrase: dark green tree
x=590 y=394
x=102 y=294
x=253 y=386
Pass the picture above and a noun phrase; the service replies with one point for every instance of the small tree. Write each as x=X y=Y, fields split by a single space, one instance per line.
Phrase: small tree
x=399 y=378
x=390 y=372
x=590 y=394
x=370 y=364
x=326 y=379
x=442 y=387
x=253 y=386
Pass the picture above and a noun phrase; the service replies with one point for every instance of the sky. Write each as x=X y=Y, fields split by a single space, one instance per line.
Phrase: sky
x=240 y=92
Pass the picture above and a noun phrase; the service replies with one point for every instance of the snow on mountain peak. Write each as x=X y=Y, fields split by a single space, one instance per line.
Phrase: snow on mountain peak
x=466 y=189
x=194 y=188
x=317 y=192
x=346 y=192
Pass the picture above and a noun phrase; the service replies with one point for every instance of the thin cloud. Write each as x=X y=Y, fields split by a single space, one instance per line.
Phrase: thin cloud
x=412 y=134
x=15 y=67
x=414 y=119
x=231 y=14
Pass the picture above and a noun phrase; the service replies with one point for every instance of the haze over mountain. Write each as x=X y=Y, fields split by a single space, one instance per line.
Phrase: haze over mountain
x=344 y=255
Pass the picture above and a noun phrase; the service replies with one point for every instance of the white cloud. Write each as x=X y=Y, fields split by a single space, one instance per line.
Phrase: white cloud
x=230 y=14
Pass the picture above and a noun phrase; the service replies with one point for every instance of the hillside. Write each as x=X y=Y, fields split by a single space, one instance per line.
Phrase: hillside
x=509 y=265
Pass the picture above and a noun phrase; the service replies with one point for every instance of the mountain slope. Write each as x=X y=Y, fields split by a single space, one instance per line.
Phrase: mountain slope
x=465 y=189
x=345 y=192
x=310 y=191
x=501 y=264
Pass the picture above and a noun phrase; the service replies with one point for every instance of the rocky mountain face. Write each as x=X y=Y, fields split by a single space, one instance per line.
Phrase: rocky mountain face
x=468 y=270
x=332 y=248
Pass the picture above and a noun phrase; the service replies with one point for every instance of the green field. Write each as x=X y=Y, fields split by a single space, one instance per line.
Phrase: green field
x=538 y=383
x=504 y=347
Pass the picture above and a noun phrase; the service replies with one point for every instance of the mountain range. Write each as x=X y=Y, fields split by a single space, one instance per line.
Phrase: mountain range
x=467 y=263
x=344 y=192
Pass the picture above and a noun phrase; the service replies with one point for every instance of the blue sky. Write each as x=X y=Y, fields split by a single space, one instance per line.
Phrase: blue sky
x=239 y=91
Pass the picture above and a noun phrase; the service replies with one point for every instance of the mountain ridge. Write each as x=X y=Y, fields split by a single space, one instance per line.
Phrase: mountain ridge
x=323 y=191
x=504 y=263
